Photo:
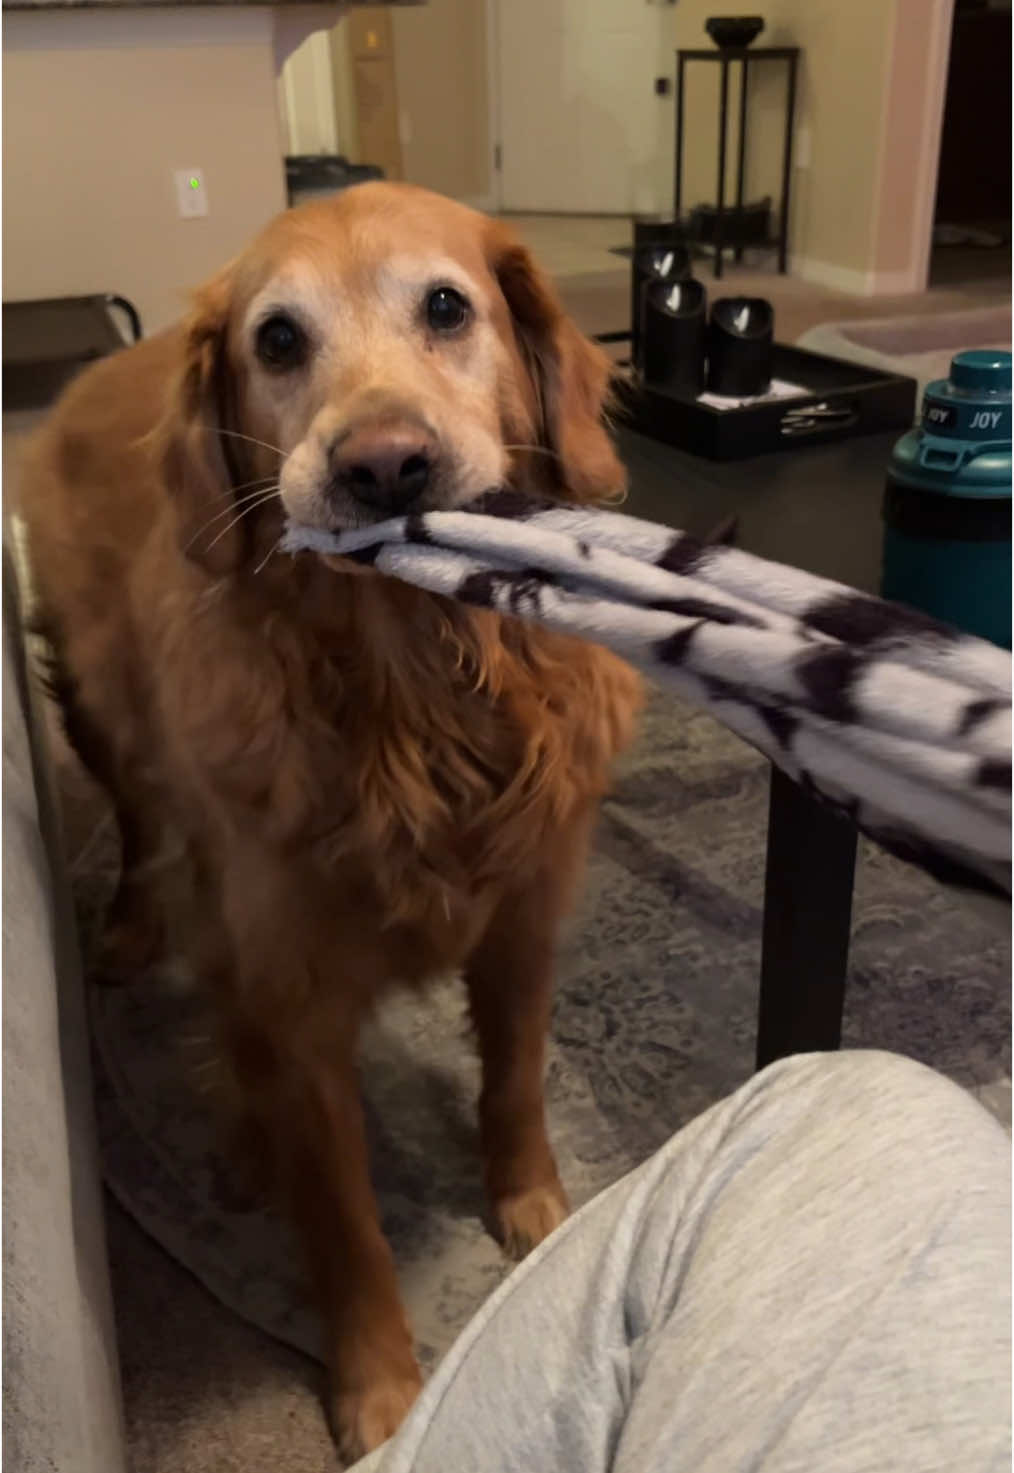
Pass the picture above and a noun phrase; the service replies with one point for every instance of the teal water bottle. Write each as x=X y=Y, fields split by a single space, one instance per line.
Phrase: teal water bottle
x=947 y=507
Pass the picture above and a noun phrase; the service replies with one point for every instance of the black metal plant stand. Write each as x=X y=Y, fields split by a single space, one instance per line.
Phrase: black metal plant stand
x=746 y=56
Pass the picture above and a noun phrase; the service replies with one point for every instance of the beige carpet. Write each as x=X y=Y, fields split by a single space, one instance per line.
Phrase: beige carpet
x=204 y=1392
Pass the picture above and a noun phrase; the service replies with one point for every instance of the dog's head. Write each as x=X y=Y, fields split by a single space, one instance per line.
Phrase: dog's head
x=381 y=352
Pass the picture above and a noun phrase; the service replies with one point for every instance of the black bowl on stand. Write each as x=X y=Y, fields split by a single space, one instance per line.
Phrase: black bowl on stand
x=732 y=31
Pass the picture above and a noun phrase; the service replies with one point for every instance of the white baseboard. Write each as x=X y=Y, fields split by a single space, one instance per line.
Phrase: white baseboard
x=855 y=283
x=897 y=283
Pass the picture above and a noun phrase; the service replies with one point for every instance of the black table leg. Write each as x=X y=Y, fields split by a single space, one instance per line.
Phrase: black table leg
x=807 y=912
x=678 y=163
x=741 y=152
x=790 y=115
x=723 y=120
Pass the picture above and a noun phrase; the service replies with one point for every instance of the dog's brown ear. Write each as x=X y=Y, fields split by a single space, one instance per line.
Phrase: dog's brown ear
x=199 y=465
x=570 y=374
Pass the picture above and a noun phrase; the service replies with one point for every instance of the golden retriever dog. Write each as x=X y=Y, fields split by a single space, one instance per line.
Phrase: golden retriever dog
x=374 y=786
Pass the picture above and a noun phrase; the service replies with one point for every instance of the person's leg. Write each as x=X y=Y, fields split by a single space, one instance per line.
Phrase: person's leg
x=814 y=1274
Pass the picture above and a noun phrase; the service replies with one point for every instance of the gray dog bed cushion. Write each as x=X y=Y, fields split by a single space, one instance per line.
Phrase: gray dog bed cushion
x=916 y=347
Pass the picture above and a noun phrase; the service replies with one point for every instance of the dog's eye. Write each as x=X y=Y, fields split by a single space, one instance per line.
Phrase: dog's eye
x=281 y=343
x=446 y=309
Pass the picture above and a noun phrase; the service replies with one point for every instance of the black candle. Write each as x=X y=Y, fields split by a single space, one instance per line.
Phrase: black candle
x=657 y=230
x=674 y=327
x=740 y=345
x=663 y=261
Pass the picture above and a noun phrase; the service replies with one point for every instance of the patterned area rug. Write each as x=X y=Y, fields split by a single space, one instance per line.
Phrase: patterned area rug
x=654 y=1020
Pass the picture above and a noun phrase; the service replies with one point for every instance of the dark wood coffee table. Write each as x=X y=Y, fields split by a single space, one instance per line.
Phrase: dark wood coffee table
x=816 y=508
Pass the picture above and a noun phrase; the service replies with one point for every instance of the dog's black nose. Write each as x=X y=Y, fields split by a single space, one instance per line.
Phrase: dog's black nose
x=385 y=464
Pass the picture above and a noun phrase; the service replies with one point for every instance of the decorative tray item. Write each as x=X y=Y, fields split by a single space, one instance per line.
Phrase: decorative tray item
x=811 y=398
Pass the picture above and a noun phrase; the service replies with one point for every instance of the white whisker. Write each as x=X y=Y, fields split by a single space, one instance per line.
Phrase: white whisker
x=244 y=486
x=270 y=554
x=217 y=430
x=266 y=491
x=236 y=520
x=616 y=499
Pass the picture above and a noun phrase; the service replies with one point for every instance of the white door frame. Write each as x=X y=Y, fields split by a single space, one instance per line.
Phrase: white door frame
x=306 y=85
x=939 y=25
x=920 y=157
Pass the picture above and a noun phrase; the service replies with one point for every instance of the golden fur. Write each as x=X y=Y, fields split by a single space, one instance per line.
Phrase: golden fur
x=373 y=785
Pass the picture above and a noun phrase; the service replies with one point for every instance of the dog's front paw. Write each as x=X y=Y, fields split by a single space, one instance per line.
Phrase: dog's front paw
x=362 y=1420
x=525 y=1219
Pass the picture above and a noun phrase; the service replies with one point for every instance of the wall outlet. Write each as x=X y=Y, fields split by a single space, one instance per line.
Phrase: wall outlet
x=191 y=194
x=802 y=149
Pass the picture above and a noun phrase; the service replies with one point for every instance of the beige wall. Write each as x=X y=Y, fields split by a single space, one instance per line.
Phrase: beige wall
x=98 y=110
x=440 y=63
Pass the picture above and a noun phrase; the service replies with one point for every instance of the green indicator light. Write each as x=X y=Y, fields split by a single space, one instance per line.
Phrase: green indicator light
x=195 y=183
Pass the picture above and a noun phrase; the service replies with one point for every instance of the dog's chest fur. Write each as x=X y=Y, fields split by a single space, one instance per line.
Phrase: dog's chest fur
x=421 y=752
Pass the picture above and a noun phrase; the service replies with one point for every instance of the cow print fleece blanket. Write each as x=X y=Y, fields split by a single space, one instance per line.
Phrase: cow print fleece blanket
x=893 y=719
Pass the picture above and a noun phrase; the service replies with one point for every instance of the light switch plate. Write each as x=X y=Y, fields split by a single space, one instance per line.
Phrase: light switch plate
x=191 y=193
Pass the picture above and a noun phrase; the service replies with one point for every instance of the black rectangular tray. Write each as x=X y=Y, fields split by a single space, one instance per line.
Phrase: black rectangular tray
x=845 y=399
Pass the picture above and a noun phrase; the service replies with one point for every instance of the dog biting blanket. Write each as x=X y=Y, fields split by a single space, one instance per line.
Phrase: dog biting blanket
x=898 y=721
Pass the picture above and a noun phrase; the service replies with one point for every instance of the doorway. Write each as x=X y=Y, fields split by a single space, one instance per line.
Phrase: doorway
x=972 y=217
x=338 y=92
x=582 y=128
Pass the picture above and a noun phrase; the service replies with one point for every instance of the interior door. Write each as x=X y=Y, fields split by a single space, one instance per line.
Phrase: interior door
x=582 y=129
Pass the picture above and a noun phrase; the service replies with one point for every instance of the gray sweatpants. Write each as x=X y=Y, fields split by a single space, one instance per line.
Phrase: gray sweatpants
x=813 y=1276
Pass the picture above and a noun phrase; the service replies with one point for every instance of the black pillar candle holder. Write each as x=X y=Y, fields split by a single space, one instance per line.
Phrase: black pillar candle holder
x=657 y=230
x=673 y=335
x=660 y=261
x=741 y=337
